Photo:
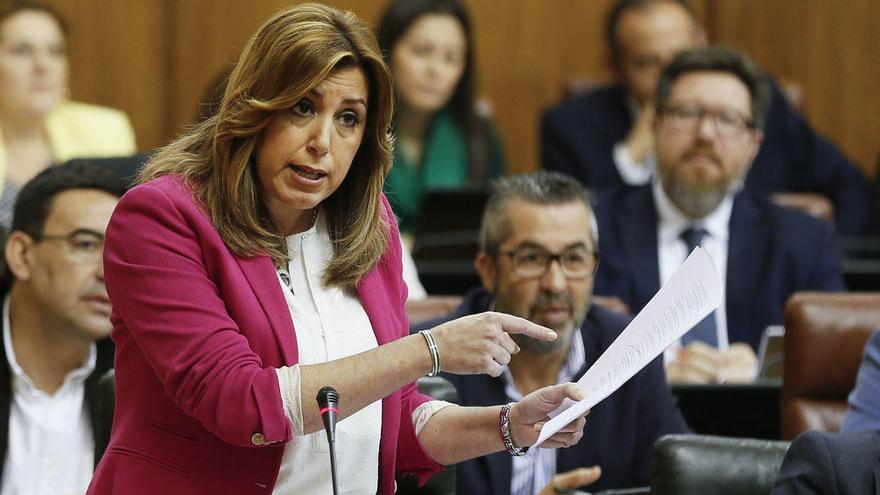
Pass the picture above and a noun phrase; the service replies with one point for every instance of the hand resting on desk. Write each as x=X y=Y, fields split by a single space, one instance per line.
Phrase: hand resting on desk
x=700 y=363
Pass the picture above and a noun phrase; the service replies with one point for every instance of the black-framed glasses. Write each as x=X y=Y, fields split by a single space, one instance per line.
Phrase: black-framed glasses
x=84 y=245
x=727 y=122
x=534 y=262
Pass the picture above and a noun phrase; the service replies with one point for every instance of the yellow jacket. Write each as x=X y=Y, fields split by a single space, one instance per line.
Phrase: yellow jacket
x=80 y=130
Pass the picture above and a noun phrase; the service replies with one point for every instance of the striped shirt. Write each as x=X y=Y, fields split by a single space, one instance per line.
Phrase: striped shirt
x=535 y=470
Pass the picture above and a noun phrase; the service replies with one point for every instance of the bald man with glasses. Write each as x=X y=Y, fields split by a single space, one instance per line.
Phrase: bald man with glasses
x=56 y=322
x=538 y=254
x=711 y=107
x=604 y=137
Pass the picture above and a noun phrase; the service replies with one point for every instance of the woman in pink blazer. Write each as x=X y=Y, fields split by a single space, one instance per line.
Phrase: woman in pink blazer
x=258 y=261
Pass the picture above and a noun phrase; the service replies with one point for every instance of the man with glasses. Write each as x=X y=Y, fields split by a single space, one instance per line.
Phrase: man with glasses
x=56 y=319
x=537 y=258
x=604 y=138
x=711 y=109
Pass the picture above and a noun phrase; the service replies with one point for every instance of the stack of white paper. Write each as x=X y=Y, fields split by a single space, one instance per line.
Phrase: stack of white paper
x=690 y=295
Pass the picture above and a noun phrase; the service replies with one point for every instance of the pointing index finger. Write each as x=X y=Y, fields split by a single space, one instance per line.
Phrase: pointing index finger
x=515 y=324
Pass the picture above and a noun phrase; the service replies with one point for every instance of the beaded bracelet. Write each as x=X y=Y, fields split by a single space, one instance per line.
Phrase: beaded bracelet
x=435 y=353
x=509 y=446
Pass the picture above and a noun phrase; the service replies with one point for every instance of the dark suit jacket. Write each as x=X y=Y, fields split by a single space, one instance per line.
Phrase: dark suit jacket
x=101 y=412
x=773 y=252
x=831 y=464
x=620 y=430
x=578 y=137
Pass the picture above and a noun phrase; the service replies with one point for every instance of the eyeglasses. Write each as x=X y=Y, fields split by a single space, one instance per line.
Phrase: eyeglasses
x=534 y=263
x=728 y=123
x=84 y=245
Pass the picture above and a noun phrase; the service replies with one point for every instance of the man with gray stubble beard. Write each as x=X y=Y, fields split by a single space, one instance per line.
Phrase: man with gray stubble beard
x=537 y=259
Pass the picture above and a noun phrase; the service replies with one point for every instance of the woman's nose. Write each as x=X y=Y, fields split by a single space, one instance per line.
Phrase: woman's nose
x=319 y=140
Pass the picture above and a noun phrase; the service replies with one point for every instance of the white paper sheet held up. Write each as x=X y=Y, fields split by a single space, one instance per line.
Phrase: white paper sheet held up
x=693 y=292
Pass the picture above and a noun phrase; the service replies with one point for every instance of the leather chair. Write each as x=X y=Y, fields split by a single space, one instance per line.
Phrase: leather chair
x=701 y=464
x=825 y=336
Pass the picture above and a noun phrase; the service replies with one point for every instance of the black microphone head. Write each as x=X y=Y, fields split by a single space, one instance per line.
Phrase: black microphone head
x=327 y=396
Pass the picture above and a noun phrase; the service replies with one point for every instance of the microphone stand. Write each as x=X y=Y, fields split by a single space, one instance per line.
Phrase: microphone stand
x=328 y=403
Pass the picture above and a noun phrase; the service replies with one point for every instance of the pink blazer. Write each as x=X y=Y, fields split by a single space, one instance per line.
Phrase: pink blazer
x=198 y=333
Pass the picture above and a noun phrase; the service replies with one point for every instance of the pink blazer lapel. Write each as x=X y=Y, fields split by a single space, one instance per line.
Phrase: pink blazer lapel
x=260 y=273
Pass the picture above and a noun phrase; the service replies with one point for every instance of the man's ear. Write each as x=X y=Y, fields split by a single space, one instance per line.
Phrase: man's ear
x=757 y=139
x=18 y=254
x=485 y=266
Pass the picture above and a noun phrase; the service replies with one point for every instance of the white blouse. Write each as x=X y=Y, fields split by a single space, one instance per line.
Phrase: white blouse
x=330 y=325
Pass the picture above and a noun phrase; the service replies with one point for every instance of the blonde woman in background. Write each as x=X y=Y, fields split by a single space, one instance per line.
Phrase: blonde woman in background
x=39 y=127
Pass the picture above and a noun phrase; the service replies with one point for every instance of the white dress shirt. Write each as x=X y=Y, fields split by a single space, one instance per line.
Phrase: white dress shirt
x=51 y=443
x=672 y=251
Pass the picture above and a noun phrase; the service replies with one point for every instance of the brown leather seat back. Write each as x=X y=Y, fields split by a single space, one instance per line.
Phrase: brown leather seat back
x=825 y=336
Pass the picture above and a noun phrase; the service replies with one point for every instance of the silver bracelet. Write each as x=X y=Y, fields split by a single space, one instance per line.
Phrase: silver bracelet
x=509 y=446
x=435 y=353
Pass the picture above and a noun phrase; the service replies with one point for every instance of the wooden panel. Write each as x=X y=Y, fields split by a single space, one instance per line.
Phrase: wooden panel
x=829 y=48
x=524 y=57
x=117 y=58
x=208 y=38
x=526 y=53
x=154 y=58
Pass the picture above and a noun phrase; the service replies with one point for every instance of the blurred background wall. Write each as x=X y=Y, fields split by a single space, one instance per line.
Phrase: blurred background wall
x=155 y=58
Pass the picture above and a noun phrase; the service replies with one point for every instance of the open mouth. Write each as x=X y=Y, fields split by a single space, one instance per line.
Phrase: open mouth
x=308 y=173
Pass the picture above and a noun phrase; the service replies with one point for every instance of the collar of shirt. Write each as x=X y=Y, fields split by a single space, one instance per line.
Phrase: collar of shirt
x=535 y=470
x=671 y=221
x=75 y=377
x=574 y=362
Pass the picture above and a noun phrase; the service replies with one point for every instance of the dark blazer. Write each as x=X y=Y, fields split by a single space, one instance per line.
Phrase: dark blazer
x=773 y=252
x=100 y=411
x=578 y=137
x=620 y=430
x=831 y=464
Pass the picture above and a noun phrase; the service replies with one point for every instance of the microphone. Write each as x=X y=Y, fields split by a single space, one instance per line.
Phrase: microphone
x=328 y=405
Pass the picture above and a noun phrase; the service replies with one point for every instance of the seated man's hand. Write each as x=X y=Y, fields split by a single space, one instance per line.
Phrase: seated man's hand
x=566 y=482
x=697 y=363
x=700 y=363
x=738 y=364
x=639 y=141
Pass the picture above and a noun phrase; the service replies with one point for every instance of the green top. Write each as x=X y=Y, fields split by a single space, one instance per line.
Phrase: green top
x=444 y=165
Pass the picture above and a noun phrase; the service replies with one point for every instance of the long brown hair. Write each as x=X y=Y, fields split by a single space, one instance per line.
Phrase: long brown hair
x=398 y=18
x=290 y=54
